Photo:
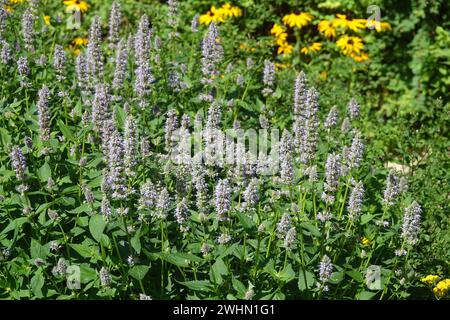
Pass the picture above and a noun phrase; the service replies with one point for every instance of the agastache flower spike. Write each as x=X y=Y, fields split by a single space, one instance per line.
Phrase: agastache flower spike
x=59 y=59
x=28 y=33
x=392 y=190
x=353 y=109
x=268 y=77
x=286 y=159
x=121 y=65
x=44 y=114
x=94 y=52
x=18 y=163
x=115 y=18
x=223 y=199
x=411 y=223
x=355 y=201
x=212 y=54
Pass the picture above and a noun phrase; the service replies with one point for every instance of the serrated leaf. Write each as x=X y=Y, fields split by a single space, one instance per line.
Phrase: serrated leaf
x=136 y=242
x=218 y=269
x=97 y=225
x=65 y=130
x=198 y=285
x=38 y=251
x=245 y=220
x=138 y=272
x=44 y=172
x=16 y=223
x=366 y=295
x=308 y=283
x=36 y=284
x=287 y=274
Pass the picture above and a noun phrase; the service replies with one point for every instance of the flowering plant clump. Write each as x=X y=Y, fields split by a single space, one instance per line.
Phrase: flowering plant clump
x=144 y=157
x=225 y=12
x=349 y=45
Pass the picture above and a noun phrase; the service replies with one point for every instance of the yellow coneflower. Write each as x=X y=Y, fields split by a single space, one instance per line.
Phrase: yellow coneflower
x=227 y=10
x=357 y=24
x=341 y=21
x=78 y=41
x=430 y=279
x=361 y=57
x=297 y=20
x=276 y=30
x=284 y=48
x=316 y=46
x=326 y=27
x=442 y=288
x=76 y=5
x=47 y=20
x=220 y=14
x=379 y=26
x=350 y=45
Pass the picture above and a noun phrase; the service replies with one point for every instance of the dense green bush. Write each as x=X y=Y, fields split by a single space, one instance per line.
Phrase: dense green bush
x=92 y=204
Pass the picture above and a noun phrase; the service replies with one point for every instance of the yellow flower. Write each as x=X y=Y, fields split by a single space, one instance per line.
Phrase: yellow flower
x=236 y=11
x=47 y=20
x=276 y=30
x=16 y=1
x=279 y=66
x=356 y=24
x=379 y=26
x=220 y=14
x=230 y=11
x=361 y=57
x=316 y=46
x=285 y=48
x=350 y=45
x=442 y=288
x=340 y=21
x=76 y=5
x=282 y=37
x=76 y=52
x=365 y=241
x=297 y=20
x=430 y=279
x=326 y=27
x=78 y=41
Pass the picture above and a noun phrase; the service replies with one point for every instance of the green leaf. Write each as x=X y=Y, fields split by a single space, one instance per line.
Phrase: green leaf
x=136 y=242
x=238 y=286
x=312 y=228
x=82 y=250
x=287 y=274
x=44 y=172
x=198 y=285
x=5 y=138
x=366 y=295
x=38 y=251
x=37 y=282
x=65 y=130
x=180 y=259
x=310 y=280
x=87 y=273
x=13 y=225
x=365 y=218
x=245 y=220
x=138 y=272
x=97 y=225
x=218 y=269
x=337 y=277
x=356 y=275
